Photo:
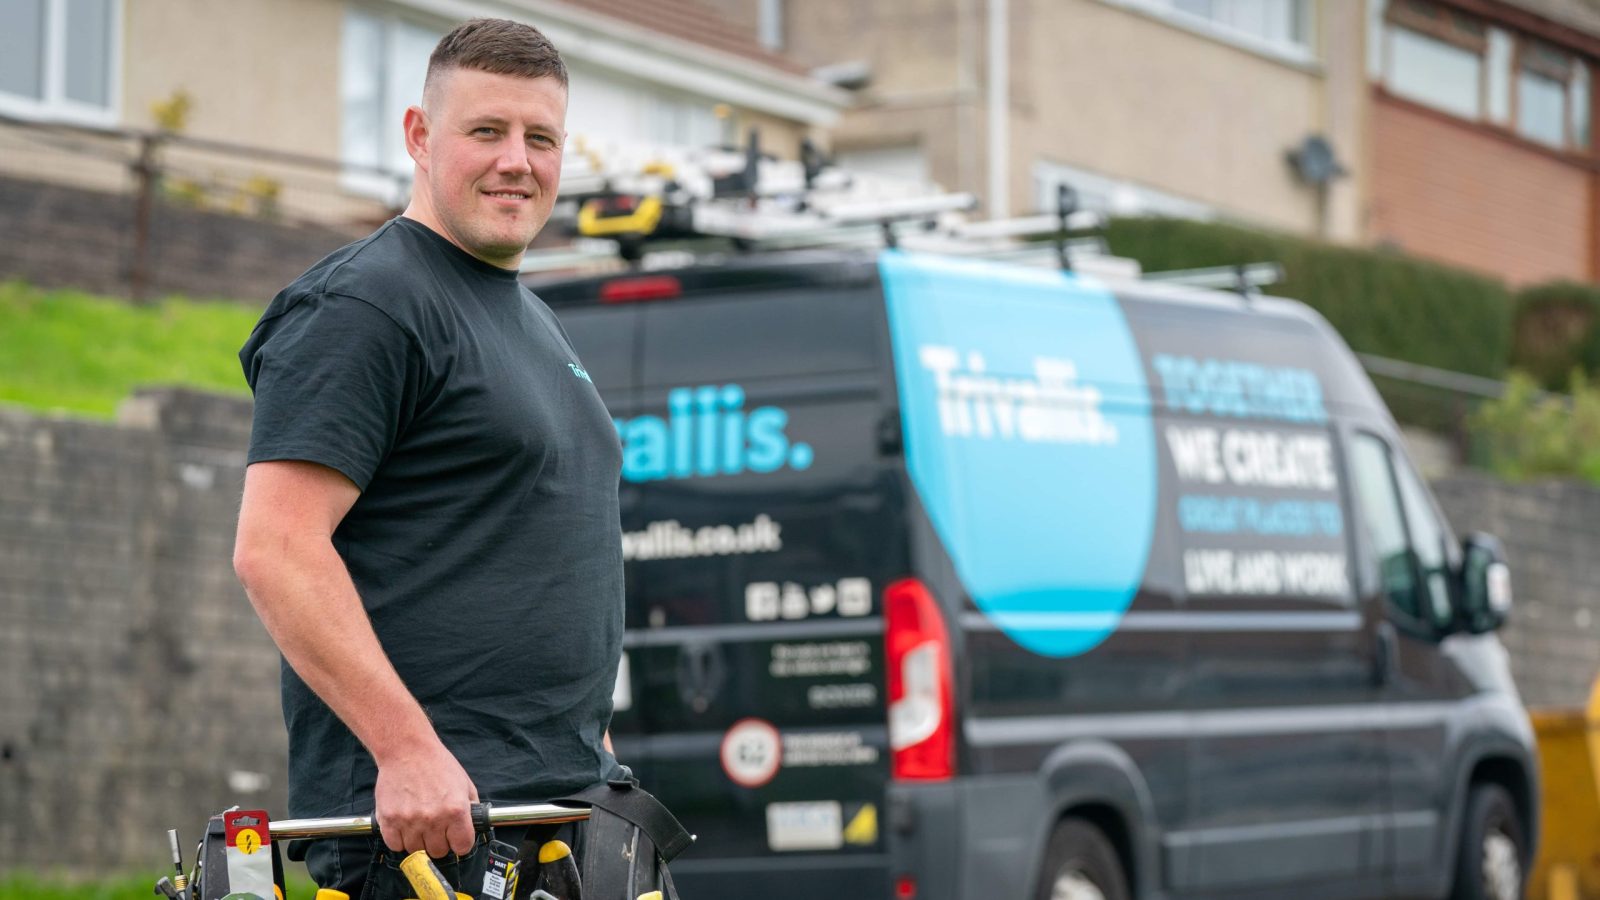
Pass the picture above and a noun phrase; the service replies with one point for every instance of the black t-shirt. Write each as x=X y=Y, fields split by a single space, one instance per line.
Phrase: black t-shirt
x=486 y=543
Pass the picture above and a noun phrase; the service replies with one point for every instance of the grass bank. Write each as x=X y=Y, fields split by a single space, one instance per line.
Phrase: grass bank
x=67 y=351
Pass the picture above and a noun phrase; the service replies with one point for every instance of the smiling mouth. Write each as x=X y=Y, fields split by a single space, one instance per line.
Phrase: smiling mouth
x=508 y=195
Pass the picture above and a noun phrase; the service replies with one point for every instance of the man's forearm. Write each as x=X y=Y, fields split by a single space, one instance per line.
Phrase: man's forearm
x=303 y=593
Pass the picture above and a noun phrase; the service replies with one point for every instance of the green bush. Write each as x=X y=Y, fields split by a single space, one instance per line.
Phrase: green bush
x=1381 y=302
x=1528 y=433
x=1557 y=329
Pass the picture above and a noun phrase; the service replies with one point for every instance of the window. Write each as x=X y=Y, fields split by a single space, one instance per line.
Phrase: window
x=383 y=61
x=1405 y=534
x=1437 y=56
x=604 y=108
x=1552 y=96
x=903 y=163
x=1430 y=542
x=59 y=58
x=770 y=26
x=1111 y=196
x=1282 y=25
x=1436 y=72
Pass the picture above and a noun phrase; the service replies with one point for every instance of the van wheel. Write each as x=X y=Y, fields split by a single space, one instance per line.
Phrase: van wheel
x=1490 y=857
x=1080 y=864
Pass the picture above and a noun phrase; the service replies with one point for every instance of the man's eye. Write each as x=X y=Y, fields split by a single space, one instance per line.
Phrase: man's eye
x=484 y=129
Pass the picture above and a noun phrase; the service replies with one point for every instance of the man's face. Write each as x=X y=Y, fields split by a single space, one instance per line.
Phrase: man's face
x=488 y=153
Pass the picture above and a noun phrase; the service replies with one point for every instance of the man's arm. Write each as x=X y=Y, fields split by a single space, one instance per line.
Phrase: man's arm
x=302 y=591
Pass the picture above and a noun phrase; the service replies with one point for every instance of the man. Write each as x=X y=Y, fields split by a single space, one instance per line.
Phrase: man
x=430 y=528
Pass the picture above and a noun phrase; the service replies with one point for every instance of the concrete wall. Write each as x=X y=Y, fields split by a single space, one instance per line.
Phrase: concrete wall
x=1551 y=531
x=1450 y=190
x=139 y=692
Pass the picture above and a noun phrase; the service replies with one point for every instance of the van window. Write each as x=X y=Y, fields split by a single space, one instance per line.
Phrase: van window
x=780 y=333
x=1429 y=538
x=1406 y=536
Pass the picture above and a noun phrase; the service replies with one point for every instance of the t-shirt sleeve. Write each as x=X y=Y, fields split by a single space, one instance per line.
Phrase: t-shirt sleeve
x=336 y=382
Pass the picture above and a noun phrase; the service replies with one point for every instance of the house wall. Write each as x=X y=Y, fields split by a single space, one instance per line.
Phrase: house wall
x=264 y=73
x=1100 y=87
x=1458 y=193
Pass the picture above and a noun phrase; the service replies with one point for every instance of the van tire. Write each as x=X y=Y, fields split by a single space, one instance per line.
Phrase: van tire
x=1081 y=864
x=1491 y=857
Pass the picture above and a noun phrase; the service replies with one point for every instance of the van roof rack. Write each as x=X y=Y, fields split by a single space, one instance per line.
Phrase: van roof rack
x=630 y=208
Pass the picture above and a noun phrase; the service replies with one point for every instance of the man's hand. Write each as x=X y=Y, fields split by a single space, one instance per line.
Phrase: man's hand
x=424 y=801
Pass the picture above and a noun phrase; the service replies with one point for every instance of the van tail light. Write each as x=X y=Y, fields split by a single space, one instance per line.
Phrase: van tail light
x=644 y=287
x=921 y=689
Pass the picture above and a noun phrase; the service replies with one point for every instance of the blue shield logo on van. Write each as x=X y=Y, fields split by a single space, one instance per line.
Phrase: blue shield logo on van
x=1028 y=438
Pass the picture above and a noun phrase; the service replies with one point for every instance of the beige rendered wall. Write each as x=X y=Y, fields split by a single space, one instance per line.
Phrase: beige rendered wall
x=262 y=72
x=1099 y=87
x=1129 y=96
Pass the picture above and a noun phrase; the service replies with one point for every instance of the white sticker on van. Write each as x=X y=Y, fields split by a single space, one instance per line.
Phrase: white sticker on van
x=751 y=752
x=1257 y=502
x=820 y=658
x=1052 y=407
x=805 y=826
x=841 y=748
x=767 y=601
x=671 y=540
x=841 y=696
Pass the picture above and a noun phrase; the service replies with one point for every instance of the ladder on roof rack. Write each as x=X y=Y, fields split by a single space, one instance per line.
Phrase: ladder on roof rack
x=633 y=208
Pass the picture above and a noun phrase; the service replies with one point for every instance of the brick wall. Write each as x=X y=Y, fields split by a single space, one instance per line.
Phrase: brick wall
x=138 y=692
x=1448 y=190
x=58 y=236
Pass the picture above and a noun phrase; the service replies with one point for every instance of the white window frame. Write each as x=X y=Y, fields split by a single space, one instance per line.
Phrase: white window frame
x=770 y=24
x=1499 y=82
x=1574 y=100
x=1301 y=54
x=55 y=106
x=381 y=182
x=1110 y=195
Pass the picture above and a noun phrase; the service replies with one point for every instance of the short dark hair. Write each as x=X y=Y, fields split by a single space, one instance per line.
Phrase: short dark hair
x=497 y=46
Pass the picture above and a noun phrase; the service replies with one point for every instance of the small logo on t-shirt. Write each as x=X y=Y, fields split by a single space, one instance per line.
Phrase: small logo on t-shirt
x=579 y=371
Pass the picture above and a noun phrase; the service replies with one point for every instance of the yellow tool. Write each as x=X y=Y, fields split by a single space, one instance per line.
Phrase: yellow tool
x=653 y=895
x=558 y=872
x=425 y=877
x=331 y=894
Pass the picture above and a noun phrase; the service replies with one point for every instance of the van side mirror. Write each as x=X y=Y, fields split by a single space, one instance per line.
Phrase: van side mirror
x=1485 y=594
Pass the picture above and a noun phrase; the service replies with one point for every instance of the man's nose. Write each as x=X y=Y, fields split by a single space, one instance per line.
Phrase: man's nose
x=513 y=159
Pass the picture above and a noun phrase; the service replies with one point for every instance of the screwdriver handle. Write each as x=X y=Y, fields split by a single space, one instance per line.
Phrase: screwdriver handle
x=425 y=877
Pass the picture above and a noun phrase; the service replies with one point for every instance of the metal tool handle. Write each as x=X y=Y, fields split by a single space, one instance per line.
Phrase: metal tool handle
x=345 y=826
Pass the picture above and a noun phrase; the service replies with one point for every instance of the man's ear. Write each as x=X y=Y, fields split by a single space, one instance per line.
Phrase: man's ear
x=416 y=130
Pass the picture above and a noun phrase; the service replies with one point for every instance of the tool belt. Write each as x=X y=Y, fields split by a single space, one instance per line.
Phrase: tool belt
x=627 y=843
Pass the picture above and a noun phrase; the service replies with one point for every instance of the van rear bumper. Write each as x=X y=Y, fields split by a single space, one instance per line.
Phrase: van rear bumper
x=812 y=876
x=972 y=837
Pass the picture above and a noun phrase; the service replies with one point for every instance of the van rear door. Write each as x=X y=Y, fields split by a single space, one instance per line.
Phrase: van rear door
x=761 y=523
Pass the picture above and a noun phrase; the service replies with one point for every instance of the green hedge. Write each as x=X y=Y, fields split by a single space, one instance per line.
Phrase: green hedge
x=1557 y=330
x=1381 y=302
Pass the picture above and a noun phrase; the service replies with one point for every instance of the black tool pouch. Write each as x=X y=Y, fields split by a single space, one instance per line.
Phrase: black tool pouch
x=628 y=841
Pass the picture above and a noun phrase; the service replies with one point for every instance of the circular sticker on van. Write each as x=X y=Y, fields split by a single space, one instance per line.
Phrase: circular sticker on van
x=751 y=752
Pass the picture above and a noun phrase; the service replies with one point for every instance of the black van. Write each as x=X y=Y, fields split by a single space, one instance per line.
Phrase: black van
x=954 y=579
